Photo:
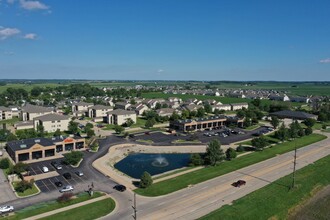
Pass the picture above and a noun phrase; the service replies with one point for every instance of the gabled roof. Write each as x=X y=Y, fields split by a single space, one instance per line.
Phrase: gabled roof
x=100 y=107
x=293 y=114
x=36 y=109
x=120 y=112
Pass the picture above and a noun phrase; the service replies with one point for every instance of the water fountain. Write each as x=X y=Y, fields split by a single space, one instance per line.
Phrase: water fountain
x=160 y=162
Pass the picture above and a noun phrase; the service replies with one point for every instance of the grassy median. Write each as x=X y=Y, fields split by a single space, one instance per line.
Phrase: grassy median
x=198 y=176
x=87 y=212
x=275 y=201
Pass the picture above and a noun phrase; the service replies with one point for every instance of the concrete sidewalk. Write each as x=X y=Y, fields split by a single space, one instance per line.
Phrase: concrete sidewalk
x=46 y=214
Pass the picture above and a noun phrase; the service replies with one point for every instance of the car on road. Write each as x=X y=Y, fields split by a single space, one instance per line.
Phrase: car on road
x=45 y=169
x=58 y=183
x=131 y=135
x=7 y=208
x=147 y=133
x=66 y=189
x=239 y=183
x=120 y=188
x=67 y=176
x=79 y=173
x=56 y=165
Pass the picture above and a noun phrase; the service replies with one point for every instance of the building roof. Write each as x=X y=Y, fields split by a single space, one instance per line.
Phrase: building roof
x=52 y=117
x=100 y=107
x=120 y=112
x=293 y=114
x=82 y=104
x=36 y=109
x=28 y=143
x=239 y=104
x=2 y=108
x=24 y=123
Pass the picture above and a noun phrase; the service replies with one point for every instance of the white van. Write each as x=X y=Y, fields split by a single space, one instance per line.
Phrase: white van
x=45 y=169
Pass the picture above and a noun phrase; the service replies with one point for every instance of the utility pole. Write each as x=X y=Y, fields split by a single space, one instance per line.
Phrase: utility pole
x=134 y=208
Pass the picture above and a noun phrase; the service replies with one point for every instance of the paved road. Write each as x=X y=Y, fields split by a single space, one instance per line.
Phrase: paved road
x=199 y=200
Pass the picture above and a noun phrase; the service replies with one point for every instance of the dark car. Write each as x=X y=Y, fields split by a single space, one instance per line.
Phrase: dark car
x=120 y=188
x=58 y=183
x=131 y=135
x=239 y=183
x=56 y=165
x=147 y=133
x=67 y=175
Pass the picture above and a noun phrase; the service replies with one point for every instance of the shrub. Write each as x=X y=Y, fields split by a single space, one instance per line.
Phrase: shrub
x=196 y=159
x=230 y=153
x=308 y=131
x=19 y=168
x=146 y=180
x=23 y=185
x=65 y=197
x=240 y=148
x=4 y=163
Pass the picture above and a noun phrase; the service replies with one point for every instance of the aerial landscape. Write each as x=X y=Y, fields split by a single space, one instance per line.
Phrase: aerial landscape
x=164 y=110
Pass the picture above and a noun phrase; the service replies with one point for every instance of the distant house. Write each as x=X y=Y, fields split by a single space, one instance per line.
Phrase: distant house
x=52 y=122
x=139 y=108
x=225 y=107
x=29 y=112
x=5 y=113
x=174 y=99
x=122 y=105
x=120 y=116
x=165 y=112
x=283 y=98
x=237 y=106
x=192 y=107
x=299 y=99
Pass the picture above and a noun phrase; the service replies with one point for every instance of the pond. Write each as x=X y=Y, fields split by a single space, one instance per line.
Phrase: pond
x=135 y=164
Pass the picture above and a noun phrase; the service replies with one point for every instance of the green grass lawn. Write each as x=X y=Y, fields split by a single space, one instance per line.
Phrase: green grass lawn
x=145 y=141
x=252 y=127
x=274 y=201
x=90 y=211
x=49 y=206
x=180 y=141
x=198 y=176
x=9 y=121
x=28 y=192
x=140 y=122
x=174 y=172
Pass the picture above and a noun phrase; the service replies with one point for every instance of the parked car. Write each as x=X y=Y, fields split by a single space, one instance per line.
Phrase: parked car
x=66 y=188
x=7 y=208
x=147 y=133
x=56 y=165
x=58 y=183
x=67 y=176
x=239 y=183
x=131 y=135
x=79 y=173
x=120 y=188
x=45 y=169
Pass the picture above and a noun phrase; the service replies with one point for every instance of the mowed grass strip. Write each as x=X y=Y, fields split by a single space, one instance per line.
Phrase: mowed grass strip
x=50 y=206
x=198 y=176
x=275 y=200
x=86 y=212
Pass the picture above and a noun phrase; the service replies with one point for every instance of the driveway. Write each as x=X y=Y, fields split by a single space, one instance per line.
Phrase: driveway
x=6 y=192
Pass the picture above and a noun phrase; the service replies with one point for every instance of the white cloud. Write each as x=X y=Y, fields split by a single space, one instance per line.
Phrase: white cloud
x=30 y=36
x=8 y=53
x=327 y=60
x=8 y=32
x=160 y=71
x=33 y=5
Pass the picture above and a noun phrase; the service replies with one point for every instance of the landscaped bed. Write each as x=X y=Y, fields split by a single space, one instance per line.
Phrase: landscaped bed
x=180 y=182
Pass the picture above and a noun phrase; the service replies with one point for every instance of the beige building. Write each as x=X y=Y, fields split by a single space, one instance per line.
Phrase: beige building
x=29 y=112
x=225 y=107
x=80 y=108
x=237 y=106
x=52 y=122
x=119 y=116
x=98 y=111
x=5 y=113
x=122 y=105
x=30 y=150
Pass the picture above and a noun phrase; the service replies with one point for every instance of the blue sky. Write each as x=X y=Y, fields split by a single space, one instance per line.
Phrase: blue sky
x=165 y=39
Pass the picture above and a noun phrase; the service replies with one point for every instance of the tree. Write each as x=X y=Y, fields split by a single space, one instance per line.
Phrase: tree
x=57 y=133
x=294 y=129
x=41 y=130
x=11 y=137
x=129 y=122
x=19 y=168
x=208 y=108
x=90 y=133
x=308 y=131
x=174 y=116
x=118 y=129
x=259 y=142
x=73 y=127
x=309 y=122
x=213 y=152
x=146 y=180
x=150 y=123
x=23 y=185
x=196 y=159
x=230 y=153
x=158 y=105
x=282 y=133
x=73 y=157
x=185 y=114
x=4 y=163
x=89 y=126
x=200 y=112
x=240 y=148
x=274 y=121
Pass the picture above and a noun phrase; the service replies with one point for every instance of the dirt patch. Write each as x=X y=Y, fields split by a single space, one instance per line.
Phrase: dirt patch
x=315 y=208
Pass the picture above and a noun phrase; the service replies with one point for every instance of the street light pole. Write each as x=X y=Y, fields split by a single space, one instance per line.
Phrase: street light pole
x=134 y=208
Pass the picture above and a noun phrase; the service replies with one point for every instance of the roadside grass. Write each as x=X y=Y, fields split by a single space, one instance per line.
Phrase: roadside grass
x=181 y=141
x=198 y=176
x=275 y=201
x=50 y=206
x=145 y=141
x=94 y=210
x=252 y=127
x=140 y=122
x=28 y=192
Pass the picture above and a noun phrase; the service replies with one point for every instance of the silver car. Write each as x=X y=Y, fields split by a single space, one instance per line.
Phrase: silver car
x=66 y=189
x=7 y=208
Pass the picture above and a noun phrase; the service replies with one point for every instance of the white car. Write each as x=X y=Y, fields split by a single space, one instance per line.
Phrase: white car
x=45 y=169
x=79 y=173
x=7 y=208
x=66 y=189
